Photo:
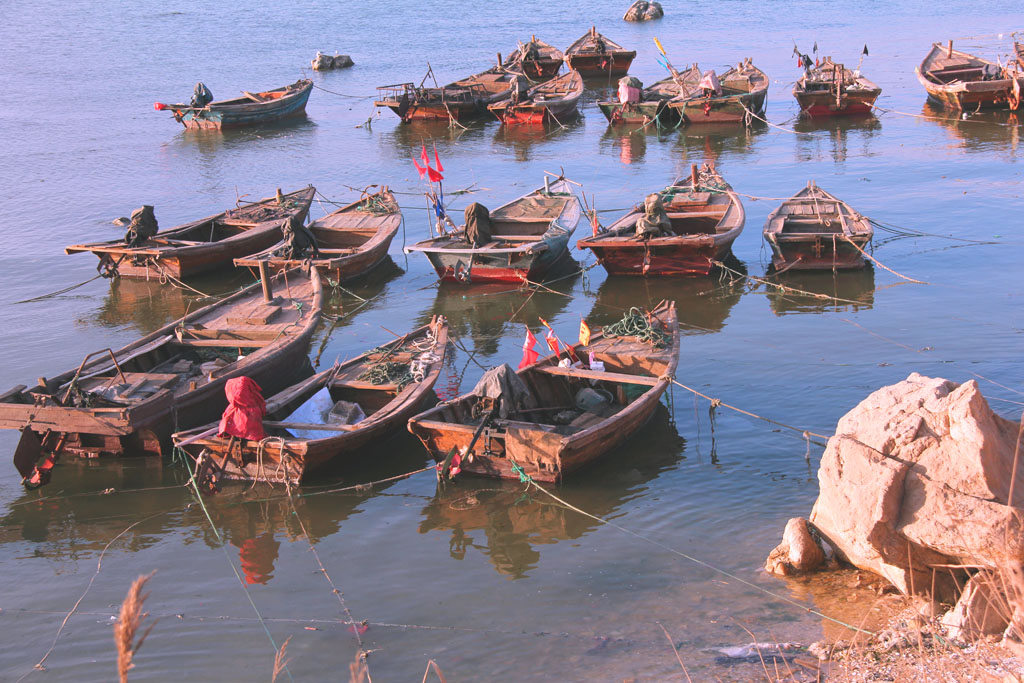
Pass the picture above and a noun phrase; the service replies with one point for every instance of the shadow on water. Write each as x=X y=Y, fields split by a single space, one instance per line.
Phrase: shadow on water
x=831 y=137
x=508 y=523
x=852 y=285
x=703 y=304
x=983 y=131
x=482 y=312
x=407 y=139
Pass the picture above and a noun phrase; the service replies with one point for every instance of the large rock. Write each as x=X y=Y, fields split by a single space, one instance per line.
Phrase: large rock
x=918 y=476
x=641 y=10
x=982 y=609
x=799 y=551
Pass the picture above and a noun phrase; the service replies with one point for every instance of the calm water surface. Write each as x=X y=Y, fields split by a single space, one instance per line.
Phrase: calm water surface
x=492 y=583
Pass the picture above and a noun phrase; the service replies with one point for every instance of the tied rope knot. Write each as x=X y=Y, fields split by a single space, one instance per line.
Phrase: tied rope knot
x=523 y=476
x=715 y=402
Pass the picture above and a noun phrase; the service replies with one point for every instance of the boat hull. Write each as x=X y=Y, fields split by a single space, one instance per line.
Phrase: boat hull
x=240 y=116
x=818 y=252
x=732 y=109
x=693 y=259
x=435 y=111
x=641 y=113
x=478 y=266
x=611 y=64
x=541 y=69
x=820 y=104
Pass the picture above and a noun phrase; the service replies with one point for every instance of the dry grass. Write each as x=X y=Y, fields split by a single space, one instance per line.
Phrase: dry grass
x=280 y=660
x=128 y=623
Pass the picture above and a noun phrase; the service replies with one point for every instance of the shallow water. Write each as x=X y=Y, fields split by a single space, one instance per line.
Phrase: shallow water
x=486 y=580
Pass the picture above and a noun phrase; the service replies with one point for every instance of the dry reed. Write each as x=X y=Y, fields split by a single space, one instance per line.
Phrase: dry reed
x=128 y=623
x=280 y=660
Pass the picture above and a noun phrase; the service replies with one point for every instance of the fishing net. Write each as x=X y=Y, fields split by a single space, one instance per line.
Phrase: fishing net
x=636 y=324
x=389 y=372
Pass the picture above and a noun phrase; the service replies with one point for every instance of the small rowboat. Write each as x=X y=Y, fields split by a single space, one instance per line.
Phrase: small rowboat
x=742 y=93
x=961 y=81
x=636 y=106
x=831 y=89
x=813 y=230
x=706 y=217
x=251 y=110
x=456 y=101
x=596 y=55
x=295 y=446
x=563 y=433
x=553 y=100
x=536 y=59
x=527 y=237
x=207 y=244
x=350 y=242
x=130 y=400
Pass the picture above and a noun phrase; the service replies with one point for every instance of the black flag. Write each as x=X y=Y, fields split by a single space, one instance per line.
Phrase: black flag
x=815 y=49
x=865 y=52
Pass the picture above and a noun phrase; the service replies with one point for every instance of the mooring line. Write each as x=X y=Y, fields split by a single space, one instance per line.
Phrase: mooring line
x=99 y=565
x=785 y=288
x=59 y=291
x=810 y=610
x=942 y=118
x=880 y=264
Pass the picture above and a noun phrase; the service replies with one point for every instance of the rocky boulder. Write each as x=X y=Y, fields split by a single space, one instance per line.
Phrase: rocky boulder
x=916 y=483
x=799 y=551
x=641 y=10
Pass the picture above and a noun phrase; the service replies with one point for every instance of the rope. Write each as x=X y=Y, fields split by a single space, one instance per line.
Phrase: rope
x=173 y=280
x=880 y=264
x=716 y=402
x=784 y=288
x=241 y=582
x=773 y=125
x=340 y=94
x=99 y=565
x=778 y=596
x=59 y=291
x=943 y=118
x=636 y=324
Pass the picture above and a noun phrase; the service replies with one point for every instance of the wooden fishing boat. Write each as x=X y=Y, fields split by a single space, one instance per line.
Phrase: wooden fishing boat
x=961 y=81
x=642 y=106
x=814 y=230
x=741 y=95
x=596 y=55
x=251 y=109
x=203 y=245
x=527 y=237
x=130 y=400
x=553 y=100
x=830 y=89
x=706 y=217
x=295 y=446
x=536 y=59
x=350 y=241
x=547 y=442
x=456 y=101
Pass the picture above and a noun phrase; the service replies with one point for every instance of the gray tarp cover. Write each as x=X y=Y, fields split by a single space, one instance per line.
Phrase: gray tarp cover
x=478 y=224
x=504 y=382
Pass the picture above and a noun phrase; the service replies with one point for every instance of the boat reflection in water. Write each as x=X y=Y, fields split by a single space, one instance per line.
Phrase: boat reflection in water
x=408 y=138
x=628 y=143
x=984 y=131
x=830 y=138
x=521 y=140
x=702 y=303
x=482 y=312
x=713 y=141
x=842 y=290
x=508 y=524
x=212 y=143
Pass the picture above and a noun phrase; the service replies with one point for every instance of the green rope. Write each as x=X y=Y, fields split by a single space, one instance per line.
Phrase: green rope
x=523 y=476
x=389 y=372
x=636 y=324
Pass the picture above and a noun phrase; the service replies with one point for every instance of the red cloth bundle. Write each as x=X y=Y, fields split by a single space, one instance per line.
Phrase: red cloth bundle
x=244 y=415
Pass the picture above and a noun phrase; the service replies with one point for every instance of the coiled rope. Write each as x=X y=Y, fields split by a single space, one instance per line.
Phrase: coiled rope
x=636 y=324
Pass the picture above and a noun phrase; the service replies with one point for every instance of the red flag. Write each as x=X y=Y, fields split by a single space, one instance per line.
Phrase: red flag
x=569 y=351
x=419 y=168
x=437 y=160
x=584 y=333
x=434 y=175
x=529 y=353
x=552 y=340
x=424 y=157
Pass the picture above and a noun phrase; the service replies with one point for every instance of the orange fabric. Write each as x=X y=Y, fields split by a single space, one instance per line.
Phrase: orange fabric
x=244 y=415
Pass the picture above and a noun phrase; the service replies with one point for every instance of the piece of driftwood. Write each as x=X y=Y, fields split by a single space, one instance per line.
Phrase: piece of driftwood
x=830 y=89
x=594 y=54
x=249 y=110
x=284 y=457
x=961 y=81
x=555 y=100
x=528 y=236
x=743 y=93
x=128 y=401
x=814 y=230
x=706 y=218
x=206 y=244
x=350 y=242
x=543 y=450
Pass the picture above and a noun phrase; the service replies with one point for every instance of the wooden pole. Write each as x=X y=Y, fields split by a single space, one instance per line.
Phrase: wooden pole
x=268 y=289
x=693 y=176
x=949 y=54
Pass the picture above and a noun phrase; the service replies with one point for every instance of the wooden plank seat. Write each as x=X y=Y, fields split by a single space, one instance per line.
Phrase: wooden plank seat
x=696 y=214
x=594 y=374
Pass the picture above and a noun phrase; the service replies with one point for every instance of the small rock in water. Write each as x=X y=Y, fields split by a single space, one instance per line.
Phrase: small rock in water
x=641 y=10
x=324 y=62
x=122 y=221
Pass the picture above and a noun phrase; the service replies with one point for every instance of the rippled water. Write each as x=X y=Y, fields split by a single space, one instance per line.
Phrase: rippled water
x=488 y=581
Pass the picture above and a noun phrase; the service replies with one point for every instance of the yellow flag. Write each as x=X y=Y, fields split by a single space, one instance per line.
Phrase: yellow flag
x=658 y=43
x=584 y=333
